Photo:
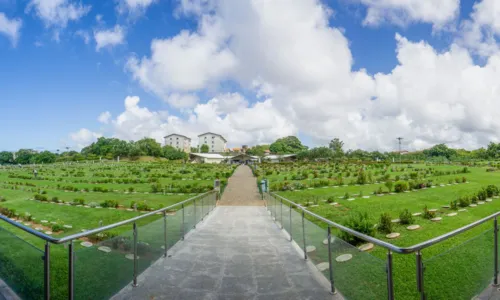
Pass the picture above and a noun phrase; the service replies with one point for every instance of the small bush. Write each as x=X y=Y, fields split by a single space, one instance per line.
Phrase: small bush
x=405 y=217
x=57 y=228
x=474 y=199
x=428 y=214
x=454 y=204
x=55 y=199
x=385 y=225
x=491 y=190
x=79 y=201
x=110 y=203
x=330 y=199
x=360 y=223
x=401 y=186
x=464 y=201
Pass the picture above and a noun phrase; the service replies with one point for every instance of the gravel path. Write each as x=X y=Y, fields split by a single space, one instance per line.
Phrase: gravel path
x=241 y=189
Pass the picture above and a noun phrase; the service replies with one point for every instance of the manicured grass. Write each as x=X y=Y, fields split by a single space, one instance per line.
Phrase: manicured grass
x=470 y=253
x=98 y=275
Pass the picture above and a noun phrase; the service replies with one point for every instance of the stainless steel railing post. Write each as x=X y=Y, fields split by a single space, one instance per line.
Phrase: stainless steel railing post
x=182 y=226
x=135 y=255
x=495 y=231
x=165 y=232
x=420 y=275
x=304 y=234
x=46 y=271
x=281 y=213
x=71 y=271
x=291 y=239
x=390 y=281
x=330 y=267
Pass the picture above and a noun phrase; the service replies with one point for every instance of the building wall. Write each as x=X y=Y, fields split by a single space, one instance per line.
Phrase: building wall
x=215 y=143
x=179 y=142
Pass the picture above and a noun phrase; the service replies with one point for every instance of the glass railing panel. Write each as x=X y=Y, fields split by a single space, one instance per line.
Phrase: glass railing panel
x=361 y=276
x=286 y=217
x=461 y=272
x=150 y=241
x=189 y=217
x=104 y=268
x=21 y=266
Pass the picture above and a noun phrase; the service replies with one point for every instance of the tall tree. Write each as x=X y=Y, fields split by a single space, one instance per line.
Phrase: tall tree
x=258 y=150
x=6 y=157
x=287 y=145
x=336 y=145
x=172 y=153
x=204 y=148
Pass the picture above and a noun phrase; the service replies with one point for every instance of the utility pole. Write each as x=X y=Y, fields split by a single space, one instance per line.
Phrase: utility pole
x=399 y=142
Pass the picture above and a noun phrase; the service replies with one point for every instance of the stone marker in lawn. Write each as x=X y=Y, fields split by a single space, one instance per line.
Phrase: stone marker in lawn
x=433 y=210
x=68 y=226
x=392 y=235
x=462 y=209
x=44 y=221
x=396 y=221
x=488 y=200
x=86 y=244
x=325 y=241
x=104 y=249
x=452 y=214
x=48 y=232
x=366 y=247
x=445 y=206
x=310 y=249
x=343 y=257
x=366 y=197
x=39 y=228
x=334 y=203
x=413 y=227
x=437 y=219
x=323 y=266
x=416 y=214
x=480 y=202
x=473 y=205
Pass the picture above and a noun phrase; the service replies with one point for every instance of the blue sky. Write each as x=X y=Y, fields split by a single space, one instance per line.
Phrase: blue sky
x=53 y=87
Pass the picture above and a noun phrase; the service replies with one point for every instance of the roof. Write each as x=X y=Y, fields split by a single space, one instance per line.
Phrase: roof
x=177 y=135
x=273 y=156
x=213 y=134
x=243 y=154
x=208 y=155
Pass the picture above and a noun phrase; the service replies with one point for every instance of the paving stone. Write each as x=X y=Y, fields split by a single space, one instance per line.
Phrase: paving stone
x=343 y=257
x=392 y=235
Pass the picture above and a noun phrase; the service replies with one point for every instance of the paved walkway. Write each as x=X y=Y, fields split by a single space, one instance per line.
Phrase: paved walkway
x=236 y=253
x=241 y=189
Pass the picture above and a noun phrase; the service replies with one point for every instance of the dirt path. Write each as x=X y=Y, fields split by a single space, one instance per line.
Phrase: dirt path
x=241 y=189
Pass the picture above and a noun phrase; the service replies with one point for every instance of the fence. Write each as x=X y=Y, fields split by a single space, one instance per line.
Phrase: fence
x=470 y=267
x=93 y=274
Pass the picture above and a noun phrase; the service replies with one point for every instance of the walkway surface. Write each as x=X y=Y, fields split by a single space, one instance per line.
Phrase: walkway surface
x=241 y=189
x=237 y=253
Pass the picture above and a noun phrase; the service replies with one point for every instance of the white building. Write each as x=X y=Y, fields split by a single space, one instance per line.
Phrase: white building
x=208 y=158
x=279 y=158
x=216 y=143
x=178 y=141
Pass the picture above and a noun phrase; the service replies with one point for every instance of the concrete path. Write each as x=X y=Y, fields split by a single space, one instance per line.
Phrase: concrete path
x=236 y=253
x=241 y=189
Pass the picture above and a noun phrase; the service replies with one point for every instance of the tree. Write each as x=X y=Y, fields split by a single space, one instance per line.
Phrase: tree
x=289 y=144
x=149 y=147
x=45 y=157
x=336 y=146
x=194 y=149
x=172 y=153
x=440 y=150
x=6 y=157
x=204 y=148
x=258 y=150
x=25 y=156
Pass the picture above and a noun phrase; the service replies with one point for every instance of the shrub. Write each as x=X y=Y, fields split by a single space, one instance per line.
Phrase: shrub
x=428 y=214
x=464 y=201
x=360 y=223
x=405 y=217
x=454 y=204
x=474 y=199
x=346 y=196
x=388 y=185
x=79 y=201
x=110 y=203
x=401 y=186
x=330 y=199
x=55 y=199
x=482 y=195
x=40 y=197
x=491 y=190
x=385 y=225
x=57 y=227
x=2 y=199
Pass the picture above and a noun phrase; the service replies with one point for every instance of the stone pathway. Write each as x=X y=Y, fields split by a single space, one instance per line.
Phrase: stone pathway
x=236 y=253
x=241 y=189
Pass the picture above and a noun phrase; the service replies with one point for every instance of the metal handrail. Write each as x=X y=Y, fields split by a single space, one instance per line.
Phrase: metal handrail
x=389 y=246
x=72 y=237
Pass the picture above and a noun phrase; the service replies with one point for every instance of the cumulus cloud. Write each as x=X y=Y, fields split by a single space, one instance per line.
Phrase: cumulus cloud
x=84 y=35
x=57 y=13
x=84 y=137
x=403 y=12
x=299 y=68
x=104 y=117
x=109 y=38
x=11 y=28
x=243 y=124
x=134 y=6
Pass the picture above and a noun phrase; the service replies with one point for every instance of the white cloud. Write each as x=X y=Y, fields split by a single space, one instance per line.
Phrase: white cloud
x=244 y=125
x=84 y=35
x=57 y=13
x=10 y=28
x=134 y=6
x=104 y=117
x=481 y=31
x=300 y=70
x=403 y=12
x=84 y=137
x=109 y=38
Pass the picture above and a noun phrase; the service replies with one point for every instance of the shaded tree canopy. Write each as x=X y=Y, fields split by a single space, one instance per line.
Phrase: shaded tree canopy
x=287 y=145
